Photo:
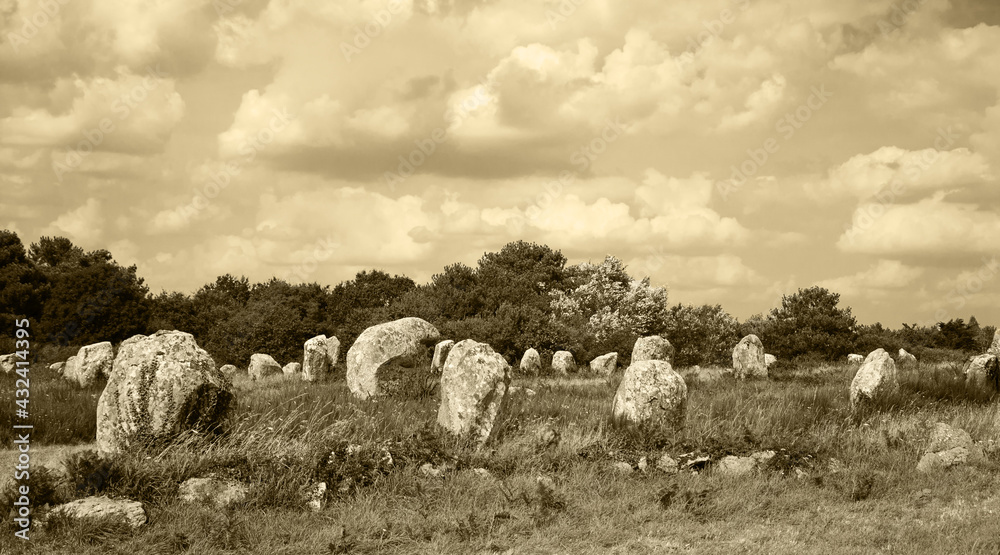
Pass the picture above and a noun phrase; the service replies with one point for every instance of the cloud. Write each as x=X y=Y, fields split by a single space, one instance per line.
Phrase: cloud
x=883 y=276
x=83 y=225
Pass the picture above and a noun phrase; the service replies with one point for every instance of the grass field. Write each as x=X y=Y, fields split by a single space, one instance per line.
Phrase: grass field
x=841 y=482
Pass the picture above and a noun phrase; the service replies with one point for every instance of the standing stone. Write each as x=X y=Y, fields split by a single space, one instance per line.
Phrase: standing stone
x=160 y=385
x=90 y=362
x=651 y=391
x=441 y=351
x=8 y=363
x=474 y=383
x=531 y=363
x=983 y=372
x=291 y=369
x=876 y=376
x=604 y=365
x=332 y=351
x=563 y=363
x=769 y=359
x=229 y=370
x=995 y=347
x=906 y=359
x=748 y=358
x=316 y=360
x=262 y=366
x=380 y=344
x=855 y=359
x=654 y=347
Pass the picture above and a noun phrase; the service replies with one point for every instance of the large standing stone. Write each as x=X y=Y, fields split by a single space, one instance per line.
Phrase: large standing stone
x=160 y=385
x=906 y=359
x=995 y=347
x=531 y=363
x=855 y=359
x=604 y=365
x=262 y=366
x=748 y=358
x=380 y=344
x=128 y=512
x=8 y=363
x=876 y=376
x=316 y=360
x=332 y=351
x=441 y=351
x=474 y=383
x=563 y=363
x=983 y=372
x=654 y=347
x=90 y=362
x=651 y=391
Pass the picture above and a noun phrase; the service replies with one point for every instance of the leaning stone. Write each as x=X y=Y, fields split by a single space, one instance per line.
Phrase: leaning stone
x=381 y=344
x=906 y=359
x=650 y=391
x=563 y=363
x=474 y=384
x=262 y=366
x=441 y=351
x=129 y=512
x=654 y=347
x=604 y=365
x=748 y=358
x=877 y=376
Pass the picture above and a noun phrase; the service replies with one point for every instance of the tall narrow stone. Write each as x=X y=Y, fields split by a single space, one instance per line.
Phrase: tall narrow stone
x=748 y=358
x=474 y=385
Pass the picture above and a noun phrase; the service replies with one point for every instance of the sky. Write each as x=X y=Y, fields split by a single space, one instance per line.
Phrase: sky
x=730 y=150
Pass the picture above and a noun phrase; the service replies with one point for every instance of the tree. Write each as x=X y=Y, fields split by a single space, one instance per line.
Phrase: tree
x=808 y=323
x=521 y=273
x=456 y=293
x=23 y=287
x=701 y=335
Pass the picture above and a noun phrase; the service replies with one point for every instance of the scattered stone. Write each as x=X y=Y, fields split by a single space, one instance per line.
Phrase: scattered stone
x=906 y=359
x=983 y=372
x=654 y=347
x=314 y=497
x=380 y=344
x=604 y=365
x=531 y=363
x=441 y=351
x=995 y=346
x=621 y=467
x=748 y=358
x=315 y=359
x=643 y=464
x=8 y=363
x=482 y=473
x=431 y=471
x=229 y=370
x=160 y=385
x=651 y=391
x=130 y=512
x=547 y=436
x=877 y=376
x=801 y=474
x=474 y=384
x=262 y=366
x=520 y=390
x=213 y=491
x=923 y=497
x=763 y=457
x=546 y=486
x=90 y=362
x=563 y=363
x=697 y=463
x=855 y=359
x=949 y=447
x=292 y=369
x=769 y=359
x=667 y=464
x=736 y=466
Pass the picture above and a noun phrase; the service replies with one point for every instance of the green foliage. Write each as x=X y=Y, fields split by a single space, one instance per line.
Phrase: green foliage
x=808 y=322
x=702 y=335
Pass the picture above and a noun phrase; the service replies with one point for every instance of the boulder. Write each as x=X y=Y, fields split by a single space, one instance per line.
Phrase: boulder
x=8 y=363
x=654 y=347
x=441 y=351
x=291 y=369
x=332 y=351
x=876 y=376
x=604 y=365
x=650 y=391
x=983 y=372
x=769 y=359
x=129 y=512
x=474 y=383
x=667 y=464
x=748 y=358
x=380 y=344
x=995 y=346
x=60 y=367
x=905 y=358
x=90 y=362
x=160 y=385
x=563 y=363
x=229 y=370
x=948 y=447
x=736 y=466
x=262 y=366
x=212 y=491
x=531 y=363
x=855 y=359
x=316 y=360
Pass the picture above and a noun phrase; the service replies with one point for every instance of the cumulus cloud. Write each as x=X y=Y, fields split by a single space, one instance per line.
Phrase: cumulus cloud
x=83 y=225
x=882 y=276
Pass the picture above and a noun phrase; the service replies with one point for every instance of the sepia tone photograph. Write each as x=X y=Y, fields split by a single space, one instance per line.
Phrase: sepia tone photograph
x=499 y=277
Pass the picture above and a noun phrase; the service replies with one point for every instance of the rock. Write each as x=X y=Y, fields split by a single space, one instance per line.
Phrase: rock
x=748 y=358
x=229 y=370
x=60 y=367
x=651 y=391
x=315 y=359
x=130 y=512
x=855 y=359
x=604 y=365
x=482 y=473
x=90 y=362
x=563 y=363
x=654 y=347
x=983 y=372
x=429 y=470
x=736 y=466
x=643 y=464
x=877 y=376
x=291 y=369
x=314 y=497
x=380 y=344
x=995 y=346
x=546 y=487
x=332 y=351
x=801 y=474
x=262 y=366
x=944 y=437
x=212 y=491
x=441 y=351
x=8 y=363
x=906 y=359
x=769 y=359
x=763 y=457
x=621 y=467
x=519 y=390
x=667 y=464
x=474 y=384
x=531 y=363
x=948 y=447
x=160 y=385
x=547 y=436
